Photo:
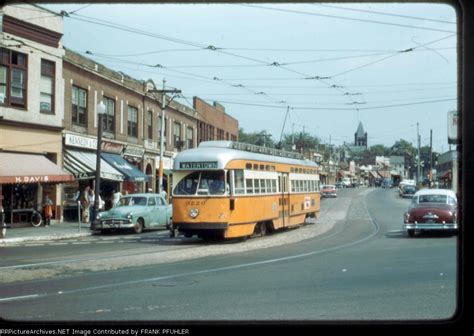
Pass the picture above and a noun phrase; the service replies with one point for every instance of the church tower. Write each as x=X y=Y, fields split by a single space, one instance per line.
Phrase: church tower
x=360 y=137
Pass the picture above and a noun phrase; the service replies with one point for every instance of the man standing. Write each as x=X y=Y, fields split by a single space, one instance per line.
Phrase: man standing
x=48 y=210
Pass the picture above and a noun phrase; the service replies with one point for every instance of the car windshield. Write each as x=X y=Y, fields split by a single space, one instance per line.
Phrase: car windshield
x=329 y=187
x=132 y=200
x=202 y=183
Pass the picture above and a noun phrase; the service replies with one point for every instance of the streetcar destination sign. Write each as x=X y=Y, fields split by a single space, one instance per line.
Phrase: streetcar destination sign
x=198 y=165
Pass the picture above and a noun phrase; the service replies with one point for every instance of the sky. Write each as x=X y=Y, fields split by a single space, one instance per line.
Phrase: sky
x=319 y=67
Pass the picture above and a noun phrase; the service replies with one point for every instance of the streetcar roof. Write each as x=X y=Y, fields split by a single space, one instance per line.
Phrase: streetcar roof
x=217 y=154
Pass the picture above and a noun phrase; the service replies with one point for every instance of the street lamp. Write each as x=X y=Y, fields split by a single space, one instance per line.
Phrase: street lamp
x=100 y=114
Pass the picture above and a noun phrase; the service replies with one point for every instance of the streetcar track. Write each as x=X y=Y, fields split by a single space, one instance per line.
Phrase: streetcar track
x=205 y=271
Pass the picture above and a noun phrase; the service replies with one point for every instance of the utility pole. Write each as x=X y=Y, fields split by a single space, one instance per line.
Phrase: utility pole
x=418 y=163
x=162 y=131
x=431 y=156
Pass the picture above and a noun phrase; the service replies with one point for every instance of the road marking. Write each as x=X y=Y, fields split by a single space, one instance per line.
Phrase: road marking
x=14 y=298
x=80 y=243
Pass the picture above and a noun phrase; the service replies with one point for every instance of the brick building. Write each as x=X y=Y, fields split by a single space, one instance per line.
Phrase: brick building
x=214 y=123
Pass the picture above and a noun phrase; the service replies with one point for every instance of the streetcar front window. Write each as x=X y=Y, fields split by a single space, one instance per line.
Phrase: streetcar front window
x=188 y=185
x=202 y=183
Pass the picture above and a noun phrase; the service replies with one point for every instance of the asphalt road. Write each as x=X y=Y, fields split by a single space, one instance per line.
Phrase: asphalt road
x=364 y=268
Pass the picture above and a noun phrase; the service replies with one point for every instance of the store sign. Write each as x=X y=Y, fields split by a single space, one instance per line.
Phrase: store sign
x=111 y=147
x=80 y=141
x=31 y=179
x=198 y=165
x=453 y=119
x=134 y=151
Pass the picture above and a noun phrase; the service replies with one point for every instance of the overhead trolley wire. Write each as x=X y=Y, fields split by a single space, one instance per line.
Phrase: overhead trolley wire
x=344 y=18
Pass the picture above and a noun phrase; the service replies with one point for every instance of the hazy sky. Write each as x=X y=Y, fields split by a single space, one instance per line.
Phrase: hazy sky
x=334 y=64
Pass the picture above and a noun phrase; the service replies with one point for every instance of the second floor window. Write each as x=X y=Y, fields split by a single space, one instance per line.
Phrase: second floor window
x=149 y=124
x=177 y=135
x=47 y=87
x=79 y=106
x=189 y=137
x=132 y=130
x=109 y=120
x=13 y=76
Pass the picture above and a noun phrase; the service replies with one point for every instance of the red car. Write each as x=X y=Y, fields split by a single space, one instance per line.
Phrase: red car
x=432 y=210
x=328 y=190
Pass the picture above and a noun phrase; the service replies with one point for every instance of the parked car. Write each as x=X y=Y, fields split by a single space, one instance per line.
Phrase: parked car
x=137 y=212
x=408 y=191
x=432 y=209
x=328 y=190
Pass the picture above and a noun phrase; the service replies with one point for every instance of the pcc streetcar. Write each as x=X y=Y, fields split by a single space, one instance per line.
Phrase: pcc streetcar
x=226 y=189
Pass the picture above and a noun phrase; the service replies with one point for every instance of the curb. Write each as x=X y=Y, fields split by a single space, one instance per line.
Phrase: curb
x=6 y=241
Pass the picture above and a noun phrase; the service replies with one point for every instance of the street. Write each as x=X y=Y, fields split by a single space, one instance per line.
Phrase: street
x=360 y=266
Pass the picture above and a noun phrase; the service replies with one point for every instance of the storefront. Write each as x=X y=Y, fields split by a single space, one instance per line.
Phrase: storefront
x=25 y=180
x=80 y=159
x=132 y=175
x=134 y=155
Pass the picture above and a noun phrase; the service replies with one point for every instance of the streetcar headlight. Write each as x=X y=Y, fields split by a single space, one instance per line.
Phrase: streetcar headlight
x=193 y=213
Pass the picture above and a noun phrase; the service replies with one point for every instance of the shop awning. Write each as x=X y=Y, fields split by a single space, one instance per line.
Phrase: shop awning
x=131 y=173
x=30 y=168
x=82 y=165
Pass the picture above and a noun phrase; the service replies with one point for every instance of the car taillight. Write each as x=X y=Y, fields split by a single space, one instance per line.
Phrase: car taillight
x=406 y=217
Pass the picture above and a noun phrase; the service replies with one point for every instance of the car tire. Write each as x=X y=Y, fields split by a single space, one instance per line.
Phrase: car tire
x=138 y=227
x=411 y=233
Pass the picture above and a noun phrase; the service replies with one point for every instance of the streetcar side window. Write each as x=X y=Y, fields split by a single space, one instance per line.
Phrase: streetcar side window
x=274 y=186
x=239 y=181
x=256 y=184
x=249 y=186
x=262 y=186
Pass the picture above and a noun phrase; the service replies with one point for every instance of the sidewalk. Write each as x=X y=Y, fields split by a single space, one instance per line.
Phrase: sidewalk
x=57 y=230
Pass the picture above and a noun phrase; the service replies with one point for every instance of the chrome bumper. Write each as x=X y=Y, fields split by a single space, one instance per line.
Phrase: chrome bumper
x=114 y=224
x=430 y=226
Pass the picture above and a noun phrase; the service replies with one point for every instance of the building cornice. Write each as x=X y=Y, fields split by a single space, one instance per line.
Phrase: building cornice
x=22 y=124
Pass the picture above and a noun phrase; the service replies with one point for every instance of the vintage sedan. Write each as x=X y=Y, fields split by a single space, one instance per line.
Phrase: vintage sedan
x=137 y=212
x=408 y=191
x=328 y=190
x=432 y=210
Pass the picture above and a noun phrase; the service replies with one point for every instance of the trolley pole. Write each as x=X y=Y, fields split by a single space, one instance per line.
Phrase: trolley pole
x=162 y=130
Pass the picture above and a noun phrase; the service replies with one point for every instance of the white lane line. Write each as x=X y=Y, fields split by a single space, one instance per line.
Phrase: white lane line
x=15 y=298
x=81 y=243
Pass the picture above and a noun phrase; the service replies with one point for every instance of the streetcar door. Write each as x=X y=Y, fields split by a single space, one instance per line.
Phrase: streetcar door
x=284 y=201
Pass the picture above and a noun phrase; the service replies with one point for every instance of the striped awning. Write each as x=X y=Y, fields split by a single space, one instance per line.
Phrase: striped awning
x=83 y=166
x=30 y=168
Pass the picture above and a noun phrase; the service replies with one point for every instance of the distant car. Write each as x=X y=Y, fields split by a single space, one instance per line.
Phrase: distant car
x=137 y=212
x=402 y=184
x=432 y=210
x=339 y=185
x=386 y=184
x=328 y=190
x=408 y=191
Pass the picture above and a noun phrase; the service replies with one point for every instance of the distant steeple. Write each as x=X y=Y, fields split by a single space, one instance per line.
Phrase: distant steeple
x=360 y=137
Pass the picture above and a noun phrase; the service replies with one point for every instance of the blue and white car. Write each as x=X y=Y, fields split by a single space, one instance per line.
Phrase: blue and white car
x=137 y=212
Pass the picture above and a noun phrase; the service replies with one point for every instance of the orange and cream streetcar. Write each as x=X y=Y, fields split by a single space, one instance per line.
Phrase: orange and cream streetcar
x=226 y=189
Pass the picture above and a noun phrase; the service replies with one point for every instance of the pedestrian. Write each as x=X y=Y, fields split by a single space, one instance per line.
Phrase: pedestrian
x=117 y=195
x=85 y=205
x=48 y=210
x=91 y=205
